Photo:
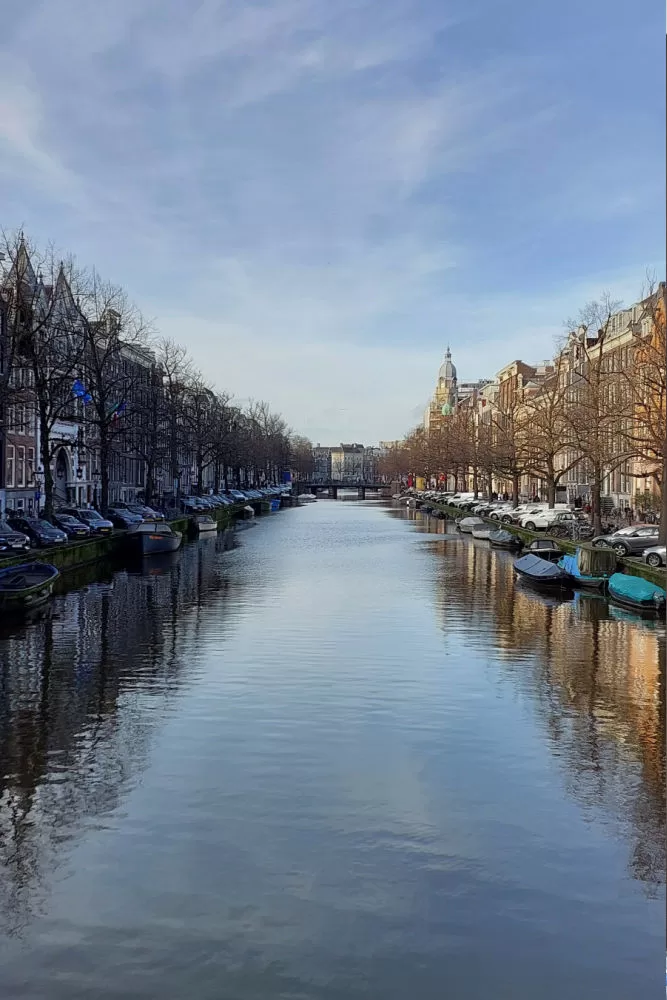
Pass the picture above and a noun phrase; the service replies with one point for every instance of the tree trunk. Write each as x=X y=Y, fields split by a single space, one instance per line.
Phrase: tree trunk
x=596 y=492
x=149 y=488
x=45 y=456
x=515 y=489
x=663 y=491
x=551 y=485
x=105 y=458
x=475 y=483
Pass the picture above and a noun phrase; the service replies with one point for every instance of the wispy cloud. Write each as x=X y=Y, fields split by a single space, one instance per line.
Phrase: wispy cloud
x=317 y=196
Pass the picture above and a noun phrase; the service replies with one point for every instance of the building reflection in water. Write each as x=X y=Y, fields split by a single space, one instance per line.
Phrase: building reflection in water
x=596 y=676
x=79 y=689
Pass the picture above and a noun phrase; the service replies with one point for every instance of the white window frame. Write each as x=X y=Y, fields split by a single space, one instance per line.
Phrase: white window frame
x=10 y=463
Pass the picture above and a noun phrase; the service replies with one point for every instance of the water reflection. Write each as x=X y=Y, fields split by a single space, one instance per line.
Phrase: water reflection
x=345 y=759
x=597 y=678
x=77 y=691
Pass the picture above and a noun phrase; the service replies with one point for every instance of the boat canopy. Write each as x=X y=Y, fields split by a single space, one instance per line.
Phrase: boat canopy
x=593 y=561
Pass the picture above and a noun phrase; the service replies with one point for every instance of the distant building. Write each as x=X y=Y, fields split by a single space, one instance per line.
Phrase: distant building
x=345 y=463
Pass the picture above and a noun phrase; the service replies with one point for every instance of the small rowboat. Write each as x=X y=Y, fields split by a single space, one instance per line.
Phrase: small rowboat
x=482 y=531
x=637 y=594
x=468 y=523
x=204 y=524
x=27 y=585
x=541 y=573
x=502 y=539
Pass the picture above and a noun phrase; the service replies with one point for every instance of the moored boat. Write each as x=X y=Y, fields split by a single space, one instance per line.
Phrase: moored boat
x=468 y=523
x=26 y=585
x=307 y=497
x=589 y=566
x=151 y=537
x=637 y=594
x=482 y=531
x=545 y=548
x=502 y=539
x=274 y=504
x=204 y=524
x=542 y=573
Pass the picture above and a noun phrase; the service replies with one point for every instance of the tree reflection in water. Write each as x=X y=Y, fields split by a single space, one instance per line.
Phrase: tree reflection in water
x=79 y=685
x=595 y=676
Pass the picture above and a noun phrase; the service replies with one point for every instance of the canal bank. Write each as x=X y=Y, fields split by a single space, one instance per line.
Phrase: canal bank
x=339 y=757
x=72 y=556
x=633 y=567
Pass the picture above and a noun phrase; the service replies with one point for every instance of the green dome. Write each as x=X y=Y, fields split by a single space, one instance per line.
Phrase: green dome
x=446 y=409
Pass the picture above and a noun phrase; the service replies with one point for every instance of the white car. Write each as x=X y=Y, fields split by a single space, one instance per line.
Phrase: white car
x=538 y=520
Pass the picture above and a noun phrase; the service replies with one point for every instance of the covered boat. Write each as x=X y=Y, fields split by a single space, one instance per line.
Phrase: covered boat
x=501 y=539
x=542 y=573
x=26 y=585
x=545 y=548
x=468 y=523
x=307 y=497
x=482 y=531
x=590 y=566
x=151 y=537
x=636 y=593
x=204 y=524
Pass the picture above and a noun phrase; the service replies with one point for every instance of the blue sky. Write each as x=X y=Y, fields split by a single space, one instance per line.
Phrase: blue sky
x=316 y=196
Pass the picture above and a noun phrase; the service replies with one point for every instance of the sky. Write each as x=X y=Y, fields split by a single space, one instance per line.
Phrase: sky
x=316 y=197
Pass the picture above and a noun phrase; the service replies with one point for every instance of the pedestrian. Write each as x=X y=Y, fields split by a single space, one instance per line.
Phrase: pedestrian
x=628 y=515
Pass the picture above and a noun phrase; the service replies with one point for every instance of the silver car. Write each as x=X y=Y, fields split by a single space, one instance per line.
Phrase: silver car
x=630 y=541
x=655 y=556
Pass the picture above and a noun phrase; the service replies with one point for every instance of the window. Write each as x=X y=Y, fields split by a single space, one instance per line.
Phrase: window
x=20 y=466
x=10 y=465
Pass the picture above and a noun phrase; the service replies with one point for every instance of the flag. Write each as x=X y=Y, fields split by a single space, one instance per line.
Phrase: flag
x=80 y=391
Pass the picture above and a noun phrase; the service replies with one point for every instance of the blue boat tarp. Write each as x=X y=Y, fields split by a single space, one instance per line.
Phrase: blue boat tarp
x=635 y=590
x=538 y=569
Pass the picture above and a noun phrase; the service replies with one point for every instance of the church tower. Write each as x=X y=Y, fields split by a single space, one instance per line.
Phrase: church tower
x=446 y=393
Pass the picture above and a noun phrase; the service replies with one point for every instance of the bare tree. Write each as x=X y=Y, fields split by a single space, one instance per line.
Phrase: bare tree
x=176 y=371
x=45 y=342
x=551 y=447
x=302 y=461
x=646 y=431
x=599 y=402
x=511 y=436
x=117 y=362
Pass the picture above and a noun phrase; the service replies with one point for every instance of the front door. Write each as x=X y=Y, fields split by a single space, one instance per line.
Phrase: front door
x=60 y=484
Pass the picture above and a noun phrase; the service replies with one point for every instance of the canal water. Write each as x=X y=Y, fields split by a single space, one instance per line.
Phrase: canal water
x=340 y=754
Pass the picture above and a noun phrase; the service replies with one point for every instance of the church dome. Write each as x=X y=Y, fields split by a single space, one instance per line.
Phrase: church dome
x=447 y=369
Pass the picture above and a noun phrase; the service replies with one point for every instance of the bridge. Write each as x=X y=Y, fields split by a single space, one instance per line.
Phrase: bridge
x=334 y=485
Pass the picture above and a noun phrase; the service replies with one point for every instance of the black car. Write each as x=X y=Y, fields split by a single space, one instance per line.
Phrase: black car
x=123 y=519
x=12 y=540
x=72 y=527
x=39 y=531
x=93 y=519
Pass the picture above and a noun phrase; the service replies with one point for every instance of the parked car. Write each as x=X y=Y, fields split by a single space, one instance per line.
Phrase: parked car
x=147 y=513
x=538 y=520
x=655 y=556
x=72 y=527
x=123 y=519
x=40 y=532
x=12 y=540
x=98 y=525
x=630 y=541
